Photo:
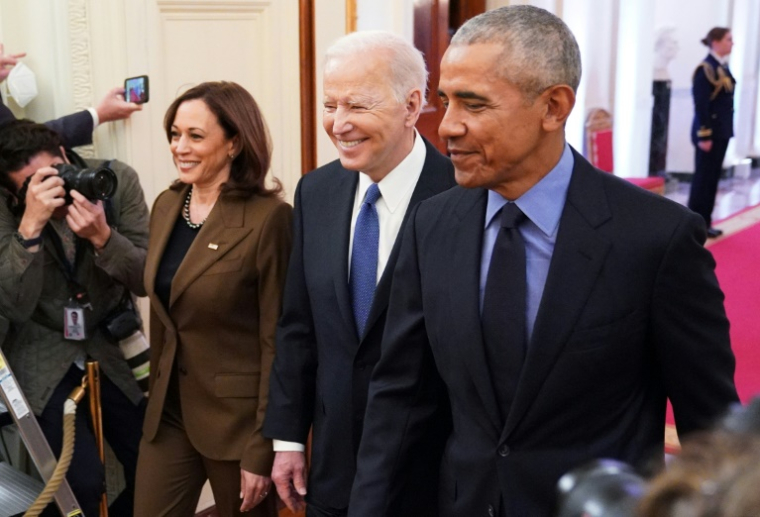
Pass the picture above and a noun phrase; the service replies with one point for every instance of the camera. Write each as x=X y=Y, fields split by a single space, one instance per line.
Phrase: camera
x=97 y=183
x=601 y=488
x=120 y=325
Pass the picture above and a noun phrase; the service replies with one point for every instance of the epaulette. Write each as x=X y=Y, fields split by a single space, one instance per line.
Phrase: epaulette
x=719 y=80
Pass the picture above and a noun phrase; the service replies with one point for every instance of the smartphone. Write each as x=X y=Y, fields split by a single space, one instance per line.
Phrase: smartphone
x=136 y=89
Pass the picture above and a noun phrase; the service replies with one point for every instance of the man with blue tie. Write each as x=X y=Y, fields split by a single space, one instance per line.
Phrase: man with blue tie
x=560 y=306
x=347 y=219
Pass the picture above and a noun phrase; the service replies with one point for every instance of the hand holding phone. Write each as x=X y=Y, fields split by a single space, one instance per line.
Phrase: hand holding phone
x=136 y=89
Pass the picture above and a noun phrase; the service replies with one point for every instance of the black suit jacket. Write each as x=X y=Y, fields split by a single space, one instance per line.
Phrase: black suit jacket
x=322 y=369
x=631 y=314
x=75 y=129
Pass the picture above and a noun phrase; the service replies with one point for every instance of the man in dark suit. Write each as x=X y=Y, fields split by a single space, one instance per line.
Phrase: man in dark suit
x=347 y=216
x=559 y=305
x=75 y=129
x=713 y=126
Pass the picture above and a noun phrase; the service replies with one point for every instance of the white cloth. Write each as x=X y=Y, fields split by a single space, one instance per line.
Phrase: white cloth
x=723 y=60
x=22 y=84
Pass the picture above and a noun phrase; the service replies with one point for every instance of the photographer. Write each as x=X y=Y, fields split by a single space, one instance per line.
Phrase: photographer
x=60 y=257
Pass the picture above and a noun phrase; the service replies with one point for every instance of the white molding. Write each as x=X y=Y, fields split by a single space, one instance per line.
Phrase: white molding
x=81 y=60
x=206 y=6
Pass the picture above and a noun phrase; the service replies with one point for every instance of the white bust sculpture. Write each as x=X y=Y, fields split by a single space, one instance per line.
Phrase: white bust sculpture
x=665 y=49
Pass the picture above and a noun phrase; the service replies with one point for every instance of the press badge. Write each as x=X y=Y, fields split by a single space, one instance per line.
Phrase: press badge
x=74 y=328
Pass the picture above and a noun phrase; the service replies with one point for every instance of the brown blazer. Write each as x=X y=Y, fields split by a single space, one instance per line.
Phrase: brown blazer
x=220 y=324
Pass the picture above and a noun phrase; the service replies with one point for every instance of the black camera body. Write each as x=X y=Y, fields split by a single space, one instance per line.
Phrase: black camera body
x=122 y=322
x=121 y=325
x=97 y=183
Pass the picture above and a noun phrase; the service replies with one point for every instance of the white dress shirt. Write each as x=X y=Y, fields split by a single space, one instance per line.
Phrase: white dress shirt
x=396 y=190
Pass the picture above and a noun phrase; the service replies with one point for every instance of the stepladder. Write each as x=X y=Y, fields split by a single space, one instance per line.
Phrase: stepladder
x=16 y=487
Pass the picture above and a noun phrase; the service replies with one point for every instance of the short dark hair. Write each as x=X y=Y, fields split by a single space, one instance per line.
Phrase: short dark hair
x=540 y=50
x=715 y=34
x=20 y=141
x=238 y=114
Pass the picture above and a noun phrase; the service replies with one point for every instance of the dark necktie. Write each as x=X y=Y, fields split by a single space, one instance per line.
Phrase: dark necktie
x=503 y=317
x=363 y=275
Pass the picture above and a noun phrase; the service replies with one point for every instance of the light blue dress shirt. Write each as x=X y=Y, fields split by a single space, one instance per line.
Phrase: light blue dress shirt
x=543 y=205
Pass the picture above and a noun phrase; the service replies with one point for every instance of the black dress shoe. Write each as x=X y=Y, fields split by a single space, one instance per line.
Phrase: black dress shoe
x=714 y=232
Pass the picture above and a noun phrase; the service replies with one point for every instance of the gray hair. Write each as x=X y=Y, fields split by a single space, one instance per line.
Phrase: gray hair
x=539 y=49
x=405 y=63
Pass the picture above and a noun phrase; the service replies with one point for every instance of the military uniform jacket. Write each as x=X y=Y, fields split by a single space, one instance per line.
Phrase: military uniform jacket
x=713 y=90
x=34 y=292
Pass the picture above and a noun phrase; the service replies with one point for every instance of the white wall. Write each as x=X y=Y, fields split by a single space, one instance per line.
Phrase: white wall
x=396 y=16
x=632 y=115
x=329 y=25
x=745 y=65
x=42 y=56
x=592 y=21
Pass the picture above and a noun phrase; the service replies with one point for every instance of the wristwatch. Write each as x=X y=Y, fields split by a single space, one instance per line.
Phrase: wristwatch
x=28 y=243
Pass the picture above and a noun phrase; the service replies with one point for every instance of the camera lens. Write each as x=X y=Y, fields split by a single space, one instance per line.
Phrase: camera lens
x=102 y=184
x=94 y=184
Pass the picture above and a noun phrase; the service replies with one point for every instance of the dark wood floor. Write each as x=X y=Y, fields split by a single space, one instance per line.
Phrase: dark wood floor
x=211 y=512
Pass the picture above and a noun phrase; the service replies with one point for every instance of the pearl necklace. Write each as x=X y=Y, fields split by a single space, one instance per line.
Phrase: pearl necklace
x=186 y=212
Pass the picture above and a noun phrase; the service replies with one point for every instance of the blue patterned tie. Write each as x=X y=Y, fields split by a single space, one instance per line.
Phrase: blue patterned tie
x=363 y=277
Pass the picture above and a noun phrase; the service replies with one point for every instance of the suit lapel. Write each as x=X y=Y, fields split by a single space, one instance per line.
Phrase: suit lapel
x=578 y=257
x=428 y=184
x=166 y=211
x=342 y=194
x=224 y=228
x=464 y=241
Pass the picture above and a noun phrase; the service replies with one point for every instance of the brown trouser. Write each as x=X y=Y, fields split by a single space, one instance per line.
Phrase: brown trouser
x=171 y=474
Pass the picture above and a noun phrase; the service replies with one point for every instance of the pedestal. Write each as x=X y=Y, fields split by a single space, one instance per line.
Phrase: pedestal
x=658 y=148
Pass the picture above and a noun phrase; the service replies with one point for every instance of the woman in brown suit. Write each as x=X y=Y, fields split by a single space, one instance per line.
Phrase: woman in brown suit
x=218 y=251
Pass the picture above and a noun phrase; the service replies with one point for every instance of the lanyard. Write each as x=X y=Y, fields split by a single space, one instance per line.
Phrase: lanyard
x=76 y=290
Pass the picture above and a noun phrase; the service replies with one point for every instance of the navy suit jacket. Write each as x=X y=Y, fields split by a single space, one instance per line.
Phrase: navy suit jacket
x=713 y=89
x=631 y=314
x=322 y=368
x=75 y=129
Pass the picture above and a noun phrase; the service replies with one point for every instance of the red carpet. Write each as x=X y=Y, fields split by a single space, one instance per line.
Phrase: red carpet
x=736 y=257
x=737 y=269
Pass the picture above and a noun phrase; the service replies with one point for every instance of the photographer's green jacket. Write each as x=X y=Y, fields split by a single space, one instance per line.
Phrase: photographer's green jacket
x=33 y=294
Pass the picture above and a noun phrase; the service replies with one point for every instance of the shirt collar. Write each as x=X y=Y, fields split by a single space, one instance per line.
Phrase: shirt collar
x=396 y=184
x=722 y=60
x=539 y=203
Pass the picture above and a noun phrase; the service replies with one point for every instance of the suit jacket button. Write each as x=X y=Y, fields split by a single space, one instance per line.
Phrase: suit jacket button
x=504 y=451
x=182 y=370
x=491 y=511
